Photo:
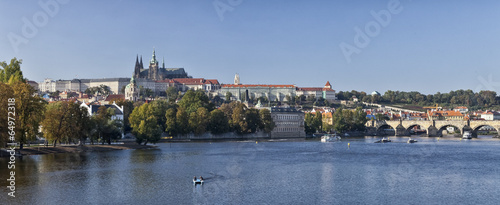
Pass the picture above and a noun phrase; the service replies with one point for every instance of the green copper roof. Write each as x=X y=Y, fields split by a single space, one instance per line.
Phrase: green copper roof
x=153 y=60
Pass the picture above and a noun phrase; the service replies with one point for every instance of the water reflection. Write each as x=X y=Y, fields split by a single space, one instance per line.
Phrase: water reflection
x=307 y=172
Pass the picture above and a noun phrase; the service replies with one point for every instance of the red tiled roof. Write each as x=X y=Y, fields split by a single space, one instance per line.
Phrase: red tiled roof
x=165 y=81
x=190 y=81
x=446 y=113
x=309 y=89
x=328 y=83
x=257 y=85
x=212 y=81
x=314 y=89
x=115 y=97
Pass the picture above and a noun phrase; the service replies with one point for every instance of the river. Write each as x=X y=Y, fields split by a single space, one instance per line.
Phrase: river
x=431 y=171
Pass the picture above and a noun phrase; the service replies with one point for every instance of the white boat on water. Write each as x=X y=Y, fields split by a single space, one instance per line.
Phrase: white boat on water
x=383 y=140
x=410 y=140
x=330 y=138
x=467 y=135
x=197 y=181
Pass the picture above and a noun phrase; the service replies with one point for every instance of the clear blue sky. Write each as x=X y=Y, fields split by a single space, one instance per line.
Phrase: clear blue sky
x=428 y=46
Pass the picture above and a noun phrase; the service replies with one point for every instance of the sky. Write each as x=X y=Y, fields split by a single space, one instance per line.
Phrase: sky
x=407 y=45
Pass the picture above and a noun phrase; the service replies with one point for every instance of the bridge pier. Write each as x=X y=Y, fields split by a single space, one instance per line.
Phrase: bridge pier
x=433 y=132
x=371 y=131
x=402 y=131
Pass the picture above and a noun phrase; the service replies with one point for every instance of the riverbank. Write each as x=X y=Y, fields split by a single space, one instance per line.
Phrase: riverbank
x=38 y=150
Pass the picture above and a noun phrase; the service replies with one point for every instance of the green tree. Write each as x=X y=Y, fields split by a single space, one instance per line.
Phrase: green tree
x=198 y=121
x=308 y=123
x=359 y=119
x=101 y=119
x=192 y=100
x=11 y=72
x=145 y=125
x=172 y=93
x=149 y=93
x=267 y=124
x=253 y=122
x=170 y=124
x=219 y=123
x=158 y=108
x=239 y=124
x=148 y=131
x=182 y=121
x=78 y=123
x=339 y=122
x=228 y=96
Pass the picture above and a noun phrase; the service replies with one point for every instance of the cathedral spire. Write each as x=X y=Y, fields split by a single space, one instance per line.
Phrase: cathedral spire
x=137 y=69
x=153 y=59
x=142 y=66
x=163 y=62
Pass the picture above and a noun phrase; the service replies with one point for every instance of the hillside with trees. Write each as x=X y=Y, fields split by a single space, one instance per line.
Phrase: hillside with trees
x=473 y=100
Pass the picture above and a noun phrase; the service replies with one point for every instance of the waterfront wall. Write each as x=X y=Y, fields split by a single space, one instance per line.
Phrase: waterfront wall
x=209 y=136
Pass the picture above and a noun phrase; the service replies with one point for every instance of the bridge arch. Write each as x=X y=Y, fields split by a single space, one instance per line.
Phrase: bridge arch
x=384 y=130
x=442 y=128
x=412 y=126
x=477 y=128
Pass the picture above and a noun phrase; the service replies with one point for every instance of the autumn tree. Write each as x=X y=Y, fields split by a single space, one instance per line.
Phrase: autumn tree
x=56 y=121
x=239 y=123
x=29 y=112
x=6 y=93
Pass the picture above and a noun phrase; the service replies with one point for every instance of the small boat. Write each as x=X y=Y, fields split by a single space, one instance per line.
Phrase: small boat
x=410 y=140
x=383 y=140
x=467 y=135
x=197 y=181
x=330 y=138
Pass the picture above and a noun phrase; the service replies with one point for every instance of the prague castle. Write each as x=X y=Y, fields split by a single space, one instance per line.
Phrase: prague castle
x=155 y=72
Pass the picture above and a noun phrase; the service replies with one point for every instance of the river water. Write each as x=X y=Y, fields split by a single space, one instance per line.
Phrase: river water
x=432 y=171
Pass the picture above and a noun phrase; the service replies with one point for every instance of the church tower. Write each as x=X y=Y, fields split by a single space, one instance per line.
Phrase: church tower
x=153 y=73
x=132 y=91
x=237 y=79
x=142 y=66
x=328 y=85
x=137 y=70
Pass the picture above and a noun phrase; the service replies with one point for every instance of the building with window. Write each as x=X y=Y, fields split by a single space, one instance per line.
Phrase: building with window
x=289 y=123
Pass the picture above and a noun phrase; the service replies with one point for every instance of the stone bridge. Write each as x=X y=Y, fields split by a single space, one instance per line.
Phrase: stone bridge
x=432 y=127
